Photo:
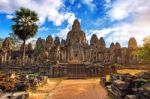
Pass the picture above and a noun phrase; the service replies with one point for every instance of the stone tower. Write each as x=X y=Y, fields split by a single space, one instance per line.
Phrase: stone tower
x=76 y=41
x=112 y=45
x=94 y=42
x=49 y=42
x=101 y=43
x=132 y=44
x=7 y=44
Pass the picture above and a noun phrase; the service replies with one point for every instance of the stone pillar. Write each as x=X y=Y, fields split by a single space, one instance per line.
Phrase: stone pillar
x=32 y=60
x=1 y=59
x=9 y=59
x=5 y=58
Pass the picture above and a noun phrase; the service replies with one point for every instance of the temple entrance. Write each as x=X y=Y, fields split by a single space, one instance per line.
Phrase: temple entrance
x=76 y=57
x=76 y=71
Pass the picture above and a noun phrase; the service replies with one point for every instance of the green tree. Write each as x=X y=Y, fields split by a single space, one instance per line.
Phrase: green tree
x=147 y=41
x=25 y=26
x=143 y=53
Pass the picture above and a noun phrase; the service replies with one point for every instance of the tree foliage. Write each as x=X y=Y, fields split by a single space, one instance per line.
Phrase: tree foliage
x=143 y=53
x=25 y=25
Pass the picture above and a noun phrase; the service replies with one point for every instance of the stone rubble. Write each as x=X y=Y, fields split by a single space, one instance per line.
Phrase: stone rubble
x=126 y=86
x=16 y=86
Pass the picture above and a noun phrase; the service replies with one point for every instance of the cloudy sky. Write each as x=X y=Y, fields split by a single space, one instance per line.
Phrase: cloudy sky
x=115 y=20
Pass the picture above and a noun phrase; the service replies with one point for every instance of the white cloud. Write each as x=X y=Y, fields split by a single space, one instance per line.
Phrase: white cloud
x=107 y=1
x=138 y=11
x=90 y=4
x=9 y=16
x=122 y=32
x=43 y=29
x=50 y=9
x=138 y=27
x=46 y=9
x=121 y=9
x=63 y=32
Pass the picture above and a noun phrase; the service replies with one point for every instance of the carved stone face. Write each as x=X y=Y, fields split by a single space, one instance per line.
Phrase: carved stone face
x=76 y=25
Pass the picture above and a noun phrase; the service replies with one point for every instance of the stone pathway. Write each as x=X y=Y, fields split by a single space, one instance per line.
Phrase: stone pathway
x=79 y=89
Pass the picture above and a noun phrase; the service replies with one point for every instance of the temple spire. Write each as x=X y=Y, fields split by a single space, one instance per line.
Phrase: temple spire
x=76 y=25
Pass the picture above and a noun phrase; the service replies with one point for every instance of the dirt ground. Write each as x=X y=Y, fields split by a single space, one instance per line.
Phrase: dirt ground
x=44 y=91
x=79 y=89
x=75 y=89
x=72 y=89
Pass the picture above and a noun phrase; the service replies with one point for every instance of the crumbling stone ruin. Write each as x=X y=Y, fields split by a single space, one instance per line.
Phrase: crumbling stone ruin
x=126 y=86
x=16 y=86
x=74 y=49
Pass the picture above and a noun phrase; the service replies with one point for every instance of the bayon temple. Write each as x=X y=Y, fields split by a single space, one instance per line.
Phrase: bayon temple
x=74 y=49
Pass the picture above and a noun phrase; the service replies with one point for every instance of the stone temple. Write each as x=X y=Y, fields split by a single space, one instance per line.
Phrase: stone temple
x=73 y=50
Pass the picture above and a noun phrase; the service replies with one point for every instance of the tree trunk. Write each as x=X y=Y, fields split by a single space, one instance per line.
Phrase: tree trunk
x=23 y=56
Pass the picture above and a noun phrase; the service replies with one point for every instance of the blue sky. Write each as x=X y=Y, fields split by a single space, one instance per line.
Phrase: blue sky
x=115 y=20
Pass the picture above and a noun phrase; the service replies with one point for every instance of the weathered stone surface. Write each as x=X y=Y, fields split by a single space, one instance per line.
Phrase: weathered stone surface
x=76 y=37
x=94 y=42
x=21 y=47
x=126 y=86
x=112 y=45
x=63 y=43
x=49 y=42
x=57 y=41
x=130 y=97
x=117 y=45
x=124 y=56
x=7 y=44
x=40 y=44
x=76 y=41
x=132 y=43
x=101 y=42
x=76 y=26
x=29 y=47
